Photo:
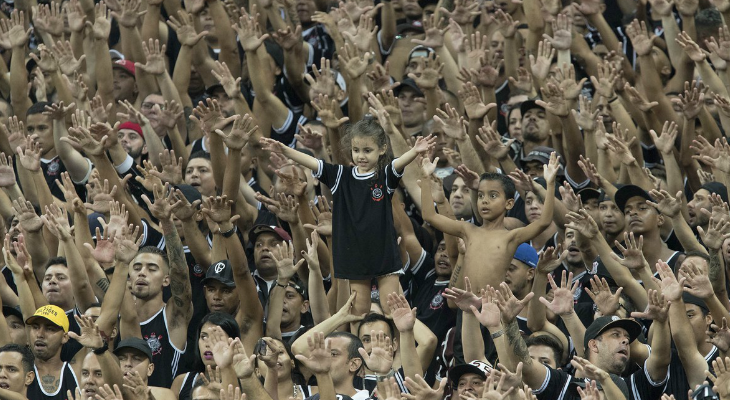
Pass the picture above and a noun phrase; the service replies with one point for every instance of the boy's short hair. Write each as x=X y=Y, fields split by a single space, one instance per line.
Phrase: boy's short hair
x=56 y=261
x=200 y=154
x=38 y=108
x=375 y=317
x=507 y=185
x=547 y=341
x=27 y=356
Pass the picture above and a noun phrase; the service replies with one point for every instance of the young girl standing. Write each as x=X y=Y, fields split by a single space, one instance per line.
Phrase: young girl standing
x=364 y=240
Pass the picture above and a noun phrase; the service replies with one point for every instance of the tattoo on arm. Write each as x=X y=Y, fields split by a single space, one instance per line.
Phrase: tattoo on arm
x=179 y=275
x=455 y=275
x=103 y=284
x=515 y=340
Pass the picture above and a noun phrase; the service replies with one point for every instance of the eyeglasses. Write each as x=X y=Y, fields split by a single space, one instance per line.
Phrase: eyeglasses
x=149 y=106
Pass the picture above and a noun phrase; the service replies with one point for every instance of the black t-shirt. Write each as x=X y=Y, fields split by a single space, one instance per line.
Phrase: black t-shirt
x=678 y=385
x=640 y=386
x=52 y=170
x=364 y=240
x=426 y=294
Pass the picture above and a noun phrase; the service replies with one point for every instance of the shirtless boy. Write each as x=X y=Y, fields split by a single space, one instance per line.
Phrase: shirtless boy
x=491 y=241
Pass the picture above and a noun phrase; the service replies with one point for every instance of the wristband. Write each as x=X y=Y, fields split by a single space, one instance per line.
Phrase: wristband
x=280 y=285
x=101 y=350
x=615 y=97
x=228 y=233
x=497 y=334
x=383 y=378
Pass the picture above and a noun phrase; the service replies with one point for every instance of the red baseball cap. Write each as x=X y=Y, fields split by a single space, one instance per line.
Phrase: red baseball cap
x=125 y=65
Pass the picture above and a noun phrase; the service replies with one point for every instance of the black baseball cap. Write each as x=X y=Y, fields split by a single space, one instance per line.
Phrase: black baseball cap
x=8 y=311
x=539 y=153
x=410 y=84
x=136 y=344
x=191 y=194
x=528 y=105
x=221 y=271
x=601 y=324
x=589 y=193
x=475 y=367
x=694 y=300
x=716 y=187
x=626 y=192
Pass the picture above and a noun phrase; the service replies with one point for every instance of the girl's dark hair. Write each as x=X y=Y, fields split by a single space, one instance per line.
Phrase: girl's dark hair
x=368 y=127
x=226 y=322
x=297 y=377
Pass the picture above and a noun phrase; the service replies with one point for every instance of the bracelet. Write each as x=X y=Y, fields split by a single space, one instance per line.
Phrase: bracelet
x=280 y=285
x=497 y=334
x=382 y=378
x=227 y=233
x=615 y=97
x=101 y=350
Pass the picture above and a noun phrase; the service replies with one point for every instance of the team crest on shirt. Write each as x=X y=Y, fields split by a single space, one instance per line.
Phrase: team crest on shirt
x=437 y=301
x=198 y=270
x=155 y=343
x=376 y=192
x=53 y=167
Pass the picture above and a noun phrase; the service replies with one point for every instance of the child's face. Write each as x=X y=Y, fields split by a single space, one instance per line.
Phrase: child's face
x=492 y=202
x=365 y=153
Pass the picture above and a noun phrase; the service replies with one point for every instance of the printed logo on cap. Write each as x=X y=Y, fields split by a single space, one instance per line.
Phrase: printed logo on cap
x=220 y=267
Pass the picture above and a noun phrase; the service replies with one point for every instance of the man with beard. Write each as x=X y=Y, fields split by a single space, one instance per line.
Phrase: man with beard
x=131 y=138
x=164 y=325
x=16 y=370
x=47 y=333
x=701 y=201
x=265 y=238
x=535 y=127
x=607 y=343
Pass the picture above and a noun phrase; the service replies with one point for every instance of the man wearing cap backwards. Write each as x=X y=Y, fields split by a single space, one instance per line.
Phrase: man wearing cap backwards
x=16 y=371
x=47 y=332
x=519 y=277
x=469 y=378
x=16 y=327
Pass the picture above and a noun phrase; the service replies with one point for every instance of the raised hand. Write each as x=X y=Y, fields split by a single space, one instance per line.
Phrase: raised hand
x=284 y=257
x=717 y=232
x=696 y=283
x=721 y=377
x=155 y=56
x=589 y=370
x=583 y=223
x=550 y=259
x=509 y=305
x=56 y=222
x=492 y=143
x=453 y=125
x=380 y=359
x=184 y=27
x=320 y=357
x=670 y=286
x=164 y=203
x=231 y=85
x=323 y=214
x=129 y=13
x=30 y=155
x=465 y=299
x=640 y=39
x=327 y=111
x=600 y=292
x=352 y=62
x=103 y=196
x=238 y=136
x=665 y=203
x=67 y=62
x=562 y=302
x=418 y=389
x=28 y=220
x=562 y=32
x=633 y=255
x=656 y=310
x=7 y=173
x=90 y=336
x=435 y=31
x=364 y=35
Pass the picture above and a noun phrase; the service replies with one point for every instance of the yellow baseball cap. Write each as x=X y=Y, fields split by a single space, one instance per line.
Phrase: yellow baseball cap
x=51 y=313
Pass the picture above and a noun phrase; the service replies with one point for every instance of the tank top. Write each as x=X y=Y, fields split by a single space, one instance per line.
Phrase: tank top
x=165 y=355
x=68 y=382
x=186 y=389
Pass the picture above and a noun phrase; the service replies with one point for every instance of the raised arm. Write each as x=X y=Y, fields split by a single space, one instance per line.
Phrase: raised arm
x=180 y=307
